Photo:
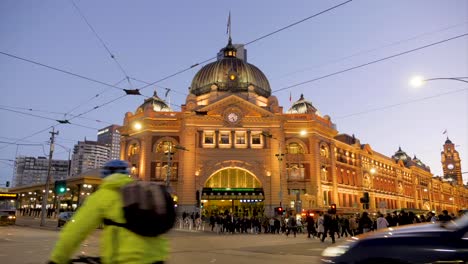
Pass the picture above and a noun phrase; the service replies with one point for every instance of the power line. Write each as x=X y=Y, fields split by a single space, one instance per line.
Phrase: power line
x=369 y=63
x=95 y=96
x=98 y=106
x=166 y=88
x=13 y=143
x=374 y=49
x=401 y=103
x=22 y=139
x=102 y=42
x=60 y=70
x=48 y=118
x=51 y=112
x=250 y=42
x=298 y=22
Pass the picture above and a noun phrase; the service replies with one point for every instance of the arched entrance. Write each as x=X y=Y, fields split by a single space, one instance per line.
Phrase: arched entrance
x=233 y=191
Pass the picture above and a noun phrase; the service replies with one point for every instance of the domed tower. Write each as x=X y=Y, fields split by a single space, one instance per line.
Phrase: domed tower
x=401 y=155
x=226 y=76
x=155 y=103
x=302 y=106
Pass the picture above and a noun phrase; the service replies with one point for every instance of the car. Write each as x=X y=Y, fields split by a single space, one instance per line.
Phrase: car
x=63 y=218
x=7 y=218
x=417 y=243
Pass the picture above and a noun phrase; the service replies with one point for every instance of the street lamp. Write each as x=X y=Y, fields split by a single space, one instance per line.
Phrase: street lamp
x=419 y=81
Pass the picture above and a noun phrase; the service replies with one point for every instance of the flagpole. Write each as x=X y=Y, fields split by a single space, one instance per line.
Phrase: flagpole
x=229 y=25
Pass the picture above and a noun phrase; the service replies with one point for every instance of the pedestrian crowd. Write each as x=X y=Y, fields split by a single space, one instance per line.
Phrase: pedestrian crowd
x=318 y=226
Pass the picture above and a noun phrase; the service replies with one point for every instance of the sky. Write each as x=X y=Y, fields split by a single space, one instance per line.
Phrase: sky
x=151 y=40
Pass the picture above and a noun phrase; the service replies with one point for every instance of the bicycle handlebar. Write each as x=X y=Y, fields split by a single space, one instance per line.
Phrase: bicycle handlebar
x=86 y=259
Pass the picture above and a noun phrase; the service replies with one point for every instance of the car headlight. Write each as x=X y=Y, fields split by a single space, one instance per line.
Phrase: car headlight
x=11 y=217
x=335 y=251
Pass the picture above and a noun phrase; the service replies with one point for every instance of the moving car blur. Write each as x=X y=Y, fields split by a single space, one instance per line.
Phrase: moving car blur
x=7 y=218
x=417 y=243
x=63 y=218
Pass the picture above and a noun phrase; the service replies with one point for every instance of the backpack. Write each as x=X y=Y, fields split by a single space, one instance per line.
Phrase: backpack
x=148 y=209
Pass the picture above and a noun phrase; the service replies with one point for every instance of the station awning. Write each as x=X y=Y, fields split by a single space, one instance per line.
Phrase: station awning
x=232 y=194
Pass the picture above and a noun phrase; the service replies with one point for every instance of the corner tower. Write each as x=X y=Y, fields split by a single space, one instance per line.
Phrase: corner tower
x=451 y=163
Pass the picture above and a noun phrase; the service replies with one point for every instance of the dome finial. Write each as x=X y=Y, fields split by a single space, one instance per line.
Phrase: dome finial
x=228 y=31
x=229 y=50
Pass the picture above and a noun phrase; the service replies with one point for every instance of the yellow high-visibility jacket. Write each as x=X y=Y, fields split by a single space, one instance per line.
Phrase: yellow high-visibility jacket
x=117 y=245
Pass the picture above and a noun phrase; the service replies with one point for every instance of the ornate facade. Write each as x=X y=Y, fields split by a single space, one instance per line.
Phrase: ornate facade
x=231 y=147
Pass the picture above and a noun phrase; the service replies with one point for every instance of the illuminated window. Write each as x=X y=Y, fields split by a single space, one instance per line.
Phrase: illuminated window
x=240 y=138
x=134 y=149
x=224 y=137
x=295 y=148
x=256 y=139
x=208 y=138
x=164 y=146
x=233 y=178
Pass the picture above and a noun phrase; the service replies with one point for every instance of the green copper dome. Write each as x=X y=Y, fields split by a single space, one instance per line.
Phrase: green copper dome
x=230 y=74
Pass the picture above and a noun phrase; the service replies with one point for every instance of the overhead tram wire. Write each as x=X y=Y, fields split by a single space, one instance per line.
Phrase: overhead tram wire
x=166 y=88
x=401 y=103
x=374 y=49
x=61 y=70
x=51 y=112
x=102 y=42
x=48 y=118
x=38 y=132
x=165 y=78
x=250 y=42
x=99 y=106
x=369 y=63
x=95 y=96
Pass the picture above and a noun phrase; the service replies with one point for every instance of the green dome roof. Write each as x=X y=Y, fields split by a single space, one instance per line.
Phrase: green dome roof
x=230 y=74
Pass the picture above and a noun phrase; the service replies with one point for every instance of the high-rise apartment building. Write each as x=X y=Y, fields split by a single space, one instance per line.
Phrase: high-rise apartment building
x=110 y=137
x=88 y=155
x=32 y=170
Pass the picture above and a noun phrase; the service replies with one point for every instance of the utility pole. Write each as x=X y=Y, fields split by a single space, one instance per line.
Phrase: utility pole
x=47 y=185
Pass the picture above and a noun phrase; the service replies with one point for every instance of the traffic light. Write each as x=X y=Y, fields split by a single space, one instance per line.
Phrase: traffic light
x=60 y=187
x=7 y=184
x=365 y=198
x=279 y=210
x=333 y=209
x=197 y=194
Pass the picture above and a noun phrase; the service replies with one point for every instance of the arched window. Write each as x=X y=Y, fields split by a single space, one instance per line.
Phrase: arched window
x=324 y=151
x=295 y=148
x=134 y=149
x=164 y=146
x=233 y=178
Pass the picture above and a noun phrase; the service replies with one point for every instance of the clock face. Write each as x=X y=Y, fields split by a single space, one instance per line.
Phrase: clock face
x=450 y=166
x=233 y=117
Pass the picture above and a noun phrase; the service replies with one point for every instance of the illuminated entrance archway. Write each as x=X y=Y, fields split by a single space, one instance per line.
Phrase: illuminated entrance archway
x=233 y=191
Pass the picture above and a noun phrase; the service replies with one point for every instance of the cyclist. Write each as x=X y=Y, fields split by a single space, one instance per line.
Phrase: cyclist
x=117 y=245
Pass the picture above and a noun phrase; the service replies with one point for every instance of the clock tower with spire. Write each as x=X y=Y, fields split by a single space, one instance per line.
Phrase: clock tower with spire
x=451 y=163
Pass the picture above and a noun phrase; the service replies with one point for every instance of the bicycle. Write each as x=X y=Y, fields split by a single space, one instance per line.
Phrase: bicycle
x=86 y=259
